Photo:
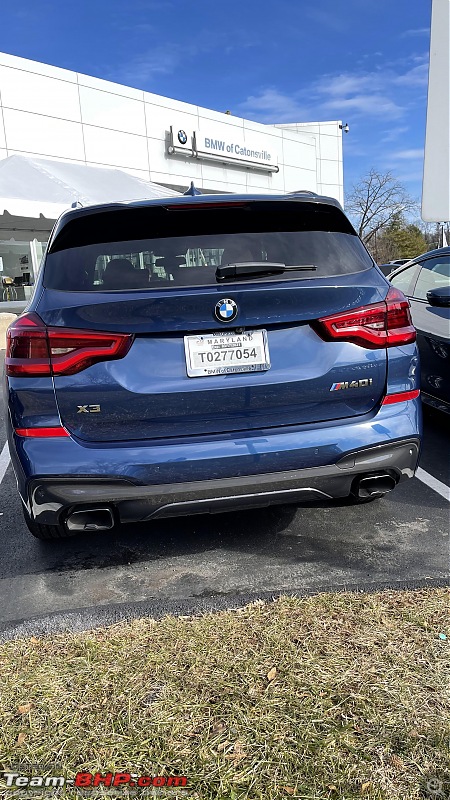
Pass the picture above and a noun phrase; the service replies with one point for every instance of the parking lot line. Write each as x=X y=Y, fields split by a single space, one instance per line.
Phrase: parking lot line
x=4 y=461
x=433 y=483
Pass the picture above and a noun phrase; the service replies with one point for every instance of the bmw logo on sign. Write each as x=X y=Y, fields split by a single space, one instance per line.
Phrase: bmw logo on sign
x=182 y=137
x=226 y=310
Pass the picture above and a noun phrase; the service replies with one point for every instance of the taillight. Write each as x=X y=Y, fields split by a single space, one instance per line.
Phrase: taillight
x=34 y=350
x=385 y=324
x=43 y=433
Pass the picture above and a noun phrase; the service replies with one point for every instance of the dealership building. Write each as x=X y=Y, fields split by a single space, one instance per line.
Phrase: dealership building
x=67 y=137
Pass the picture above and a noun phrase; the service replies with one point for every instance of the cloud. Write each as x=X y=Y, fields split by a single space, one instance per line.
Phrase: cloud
x=411 y=177
x=386 y=93
x=370 y=105
x=394 y=133
x=408 y=154
x=273 y=106
x=408 y=163
x=415 y=32
x=415 y=77
x=141 y=70
x=380 y=92
x=328 y=20
x=363 y=93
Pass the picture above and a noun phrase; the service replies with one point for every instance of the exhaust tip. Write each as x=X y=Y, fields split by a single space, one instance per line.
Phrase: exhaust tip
x=91 y=519
x=374 y=485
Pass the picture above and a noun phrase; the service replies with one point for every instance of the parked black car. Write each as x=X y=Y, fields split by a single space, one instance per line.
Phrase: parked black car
x=386 y=269
x=426 y=282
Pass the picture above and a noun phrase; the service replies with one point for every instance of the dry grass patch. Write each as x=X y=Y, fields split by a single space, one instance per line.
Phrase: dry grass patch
x=332 y=696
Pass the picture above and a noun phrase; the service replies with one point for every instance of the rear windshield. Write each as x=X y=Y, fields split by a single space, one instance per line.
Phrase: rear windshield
x=155 y=246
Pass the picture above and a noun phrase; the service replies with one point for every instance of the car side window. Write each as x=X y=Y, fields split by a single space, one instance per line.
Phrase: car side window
x=404 y=279
x=434 y=274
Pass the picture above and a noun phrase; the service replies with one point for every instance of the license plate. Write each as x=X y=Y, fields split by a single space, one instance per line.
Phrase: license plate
x=224 y=353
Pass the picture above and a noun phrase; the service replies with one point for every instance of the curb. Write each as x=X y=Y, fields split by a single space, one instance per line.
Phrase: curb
x=85 y=619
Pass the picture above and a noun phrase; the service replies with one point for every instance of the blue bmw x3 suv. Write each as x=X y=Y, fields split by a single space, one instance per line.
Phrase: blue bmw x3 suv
x=203 y=354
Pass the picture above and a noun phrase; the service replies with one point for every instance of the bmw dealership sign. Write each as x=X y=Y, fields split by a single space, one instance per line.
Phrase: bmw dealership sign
x=219 y=143
x=235 y=149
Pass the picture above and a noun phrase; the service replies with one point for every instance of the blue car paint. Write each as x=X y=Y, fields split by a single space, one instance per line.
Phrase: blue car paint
x=205 y=458
x=219 y=427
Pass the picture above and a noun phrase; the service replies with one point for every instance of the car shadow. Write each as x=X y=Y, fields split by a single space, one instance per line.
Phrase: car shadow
x=334 y=534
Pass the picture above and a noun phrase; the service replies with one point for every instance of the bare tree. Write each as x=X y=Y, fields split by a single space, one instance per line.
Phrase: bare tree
x=375 y=201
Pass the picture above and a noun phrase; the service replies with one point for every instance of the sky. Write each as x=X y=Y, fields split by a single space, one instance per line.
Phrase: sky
x=364 y=62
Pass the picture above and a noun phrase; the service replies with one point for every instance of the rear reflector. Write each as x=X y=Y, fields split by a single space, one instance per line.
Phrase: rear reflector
x=42 y=433
x=400 y=397
x=386 y=324
x=34 y=350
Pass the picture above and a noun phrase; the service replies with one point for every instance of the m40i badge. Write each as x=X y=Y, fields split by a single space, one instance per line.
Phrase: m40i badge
x=351 y=384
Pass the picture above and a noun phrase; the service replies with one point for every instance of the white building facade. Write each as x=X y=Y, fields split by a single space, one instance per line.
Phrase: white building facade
x=52 y=113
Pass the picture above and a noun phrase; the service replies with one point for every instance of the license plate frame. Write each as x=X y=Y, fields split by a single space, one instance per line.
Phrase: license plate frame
x=226 y=342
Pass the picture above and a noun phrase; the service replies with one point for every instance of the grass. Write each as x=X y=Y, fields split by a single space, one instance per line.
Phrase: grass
x=334 y=696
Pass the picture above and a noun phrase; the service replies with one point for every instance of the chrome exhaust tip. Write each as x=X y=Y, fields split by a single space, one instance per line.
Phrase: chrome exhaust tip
x=374 y=485
x=90 y=519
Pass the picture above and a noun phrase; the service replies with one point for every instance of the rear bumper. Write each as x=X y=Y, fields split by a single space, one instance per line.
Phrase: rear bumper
x=51 y=500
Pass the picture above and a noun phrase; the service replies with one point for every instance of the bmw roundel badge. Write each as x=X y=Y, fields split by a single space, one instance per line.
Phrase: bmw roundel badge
x=226 y=310
x=182 y=137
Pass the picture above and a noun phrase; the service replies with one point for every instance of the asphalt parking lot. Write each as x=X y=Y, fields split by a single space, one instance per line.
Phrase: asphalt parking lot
x=206 y=561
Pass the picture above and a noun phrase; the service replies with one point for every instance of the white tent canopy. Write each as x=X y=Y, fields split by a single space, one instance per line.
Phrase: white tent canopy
x=38 y=187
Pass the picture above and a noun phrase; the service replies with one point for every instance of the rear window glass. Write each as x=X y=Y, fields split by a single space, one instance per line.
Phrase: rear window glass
x=155 y=246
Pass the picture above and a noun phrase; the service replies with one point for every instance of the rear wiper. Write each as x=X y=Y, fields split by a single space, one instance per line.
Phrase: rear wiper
x=254 y=268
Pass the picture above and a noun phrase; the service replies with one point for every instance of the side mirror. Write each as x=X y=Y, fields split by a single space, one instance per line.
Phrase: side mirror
x=439 y=297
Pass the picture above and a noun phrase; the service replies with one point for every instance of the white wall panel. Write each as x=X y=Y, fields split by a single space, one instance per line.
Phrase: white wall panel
x=168 y=102
x=137 y=173
x=112 y=111
x=330 y=127
x=329 y=147
x=277 y=181
x=297 y=154
x=160 y=119
x=258 y=127
x=218 y=116
x=332 y=190
x=270 y=135
x=190 y=170
x=160 y=162
x=37 y=67
x=45 y=156
x=299 y=127
x=174 y=179
x=259 y=181
x=114 y=148
x=235 y=188
x=297 y=178
x=224 y=174
x=26 y=91
x=329 y=172
x=109 y=87
x=3 y=152
x=45 y=135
